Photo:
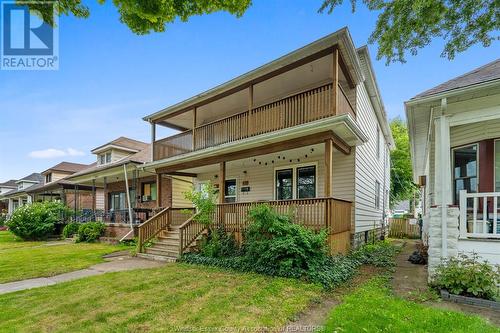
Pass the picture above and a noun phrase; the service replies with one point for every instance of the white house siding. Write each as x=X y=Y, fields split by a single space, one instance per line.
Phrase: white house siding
x=369 y=167
x=261 y=178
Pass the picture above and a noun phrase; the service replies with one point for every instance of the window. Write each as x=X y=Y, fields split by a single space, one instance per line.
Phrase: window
x=108 y=157
x=149 y=192
x=48 y=178
x=101 y=159
x=377 y=194
x=464 y=170
x=378 y=142
x=306 y=182
x=117 y=201
x=230 y=190
x=284 y=184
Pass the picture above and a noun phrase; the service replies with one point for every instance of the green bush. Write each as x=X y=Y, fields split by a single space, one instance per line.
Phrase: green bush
x=219 y=244
x=70 y=229
x=90 y=231
x=35 y=221
x=275 y=246
x=466 y=275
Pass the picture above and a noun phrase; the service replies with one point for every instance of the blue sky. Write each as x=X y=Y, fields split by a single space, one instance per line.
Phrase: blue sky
x=109 y=78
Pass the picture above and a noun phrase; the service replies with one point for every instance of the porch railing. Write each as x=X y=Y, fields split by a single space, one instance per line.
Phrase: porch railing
x=189 y=232
x=331 y=214
x=479 y=215
x=287 y=112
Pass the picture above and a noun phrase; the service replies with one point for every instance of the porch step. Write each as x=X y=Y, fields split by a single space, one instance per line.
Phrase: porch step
x=156 y=257
x=159 y=251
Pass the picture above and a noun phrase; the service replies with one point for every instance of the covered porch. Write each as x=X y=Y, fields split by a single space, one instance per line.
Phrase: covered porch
x=311 y=177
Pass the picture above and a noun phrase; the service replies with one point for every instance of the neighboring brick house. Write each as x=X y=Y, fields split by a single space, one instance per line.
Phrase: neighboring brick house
x=56 y=187
x=119 y=162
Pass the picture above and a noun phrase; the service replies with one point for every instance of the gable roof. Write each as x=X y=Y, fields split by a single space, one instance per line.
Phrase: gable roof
x=35 y=177
x=10 y=183
x=124 y=143
x=67 y=167
x=485 y=73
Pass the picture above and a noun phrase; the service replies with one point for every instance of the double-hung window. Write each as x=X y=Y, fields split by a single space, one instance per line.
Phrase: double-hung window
x=149 y=192
x=284 y=184
x=230 y=190
x=465 y=170
x=296 y=183
x=306 y=182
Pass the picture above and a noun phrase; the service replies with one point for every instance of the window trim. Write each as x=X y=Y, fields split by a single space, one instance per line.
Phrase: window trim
x=453 y=189
x=235 y=196
x=142 y=191
x=495 y=142
x=294 y=178
x=315 y=180
x=276 y=170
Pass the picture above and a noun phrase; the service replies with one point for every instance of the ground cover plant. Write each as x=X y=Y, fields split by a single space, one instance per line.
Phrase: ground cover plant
x=275 y=246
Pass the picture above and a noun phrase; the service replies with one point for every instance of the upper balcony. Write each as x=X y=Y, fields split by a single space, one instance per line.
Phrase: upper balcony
x=316 y=82
x=291 y=111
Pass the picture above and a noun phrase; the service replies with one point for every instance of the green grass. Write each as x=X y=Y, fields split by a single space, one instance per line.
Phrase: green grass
x=23 y=260
x=372 y=308
x=153 y=300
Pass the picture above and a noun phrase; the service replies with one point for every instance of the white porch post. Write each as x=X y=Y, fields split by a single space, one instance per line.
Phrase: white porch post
x=443 y=174
x=11 y=206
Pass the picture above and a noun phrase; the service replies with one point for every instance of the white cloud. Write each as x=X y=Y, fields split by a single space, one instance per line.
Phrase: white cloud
x=53 y=153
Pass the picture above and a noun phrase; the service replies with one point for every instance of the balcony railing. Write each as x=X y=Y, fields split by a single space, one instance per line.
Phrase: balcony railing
x=479 y=215
x=291 y=111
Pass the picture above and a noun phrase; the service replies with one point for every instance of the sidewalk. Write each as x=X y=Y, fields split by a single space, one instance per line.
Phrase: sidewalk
x=114 y=263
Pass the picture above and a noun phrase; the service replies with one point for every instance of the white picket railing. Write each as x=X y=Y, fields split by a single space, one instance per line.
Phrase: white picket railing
x=477 y=222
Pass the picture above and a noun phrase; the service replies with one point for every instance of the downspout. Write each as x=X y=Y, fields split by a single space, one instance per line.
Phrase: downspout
x=444 y=227
x=384 y=188
x=128 y=203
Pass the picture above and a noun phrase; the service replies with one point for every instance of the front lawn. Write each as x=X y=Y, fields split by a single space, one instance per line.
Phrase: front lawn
x=177 y=296
x=372 y=308
x=23 y=260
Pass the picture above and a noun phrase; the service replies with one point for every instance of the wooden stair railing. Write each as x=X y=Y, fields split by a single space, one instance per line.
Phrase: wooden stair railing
x=150 y=228
x=188 y=232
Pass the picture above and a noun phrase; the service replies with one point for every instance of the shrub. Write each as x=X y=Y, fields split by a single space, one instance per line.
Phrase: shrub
x=466 y=275
x=90 y=231
x=379 y=254
x=70 y=229
x=276 y=246
x=205 y=203
x=219 y=244
x=35 y=221
x=3 y=217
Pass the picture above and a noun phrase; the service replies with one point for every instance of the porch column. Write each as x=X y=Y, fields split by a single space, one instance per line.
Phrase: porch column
x=250 y=107
x=93 y=195
x=11 y=206
x=158 y=190
x=222 y=178
x=442 y=177
x=153 y=139
x=328 y=167
x=335 y=81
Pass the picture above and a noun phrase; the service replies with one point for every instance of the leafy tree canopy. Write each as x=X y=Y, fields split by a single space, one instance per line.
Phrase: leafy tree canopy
x=402 y=25
x=409 y=25
x=402 y=186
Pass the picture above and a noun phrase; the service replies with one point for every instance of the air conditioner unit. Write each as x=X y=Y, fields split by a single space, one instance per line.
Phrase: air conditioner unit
x=146 y=198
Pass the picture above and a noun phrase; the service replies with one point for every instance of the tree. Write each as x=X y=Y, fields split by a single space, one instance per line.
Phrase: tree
x=402 y=186
x=145 y=16
x=409 y=25
x=402 y=25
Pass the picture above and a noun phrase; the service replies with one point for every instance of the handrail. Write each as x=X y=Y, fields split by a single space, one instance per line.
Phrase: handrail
x=150 y=228
x=189 y=232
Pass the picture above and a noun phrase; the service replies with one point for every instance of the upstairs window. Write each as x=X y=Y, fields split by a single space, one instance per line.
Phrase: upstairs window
x=48 y=178
x=108 y=157
x=104 y=158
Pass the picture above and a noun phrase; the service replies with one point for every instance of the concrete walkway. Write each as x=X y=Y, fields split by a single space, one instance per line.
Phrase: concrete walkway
x=114 y=263
x=410 y=280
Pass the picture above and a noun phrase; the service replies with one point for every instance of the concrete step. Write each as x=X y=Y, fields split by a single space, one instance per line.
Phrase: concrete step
x=162 y=252
x=166 y=247
x=156 y=257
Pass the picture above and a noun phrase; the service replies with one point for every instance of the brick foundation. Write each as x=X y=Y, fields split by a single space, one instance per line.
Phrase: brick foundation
x=368 y=236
